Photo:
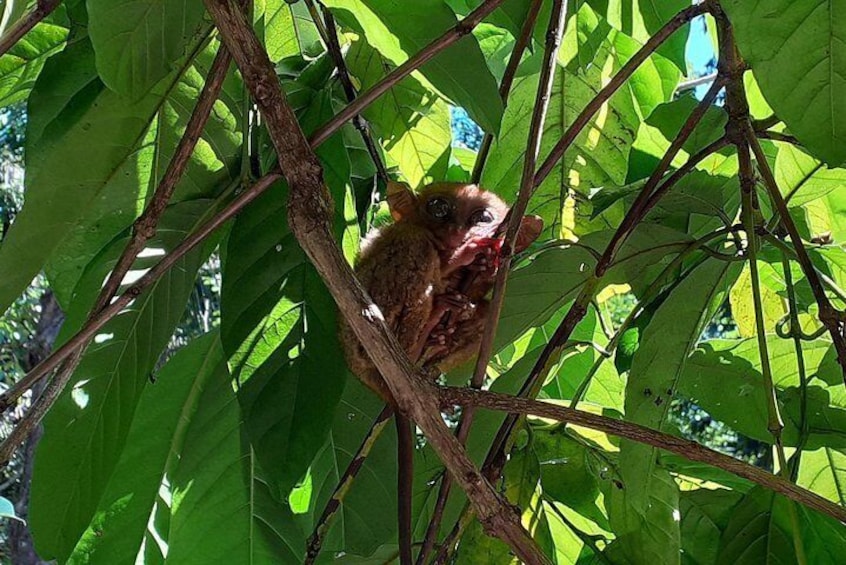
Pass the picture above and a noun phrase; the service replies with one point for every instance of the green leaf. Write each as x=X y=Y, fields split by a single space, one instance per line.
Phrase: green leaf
x=599 y=156
x=412 y=123
x=538 y=289
x=802 y=178
x=824 y=472
x=367 y=520
x=22 y=63
x=642 y=512
x=213 y=164
x=800 y=65
x=154 y=445
x=222 y=503
x=642 y=18
x=760 y=530
x=400 y=30
x=70 y=112
x=87 y=428
x=278 y=320
x=136 y=42
x=705 y=514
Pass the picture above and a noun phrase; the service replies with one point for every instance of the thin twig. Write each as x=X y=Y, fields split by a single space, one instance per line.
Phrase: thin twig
x=334 y=47
x=41 y=10
x=454 y=396
x=144 y=229
x=553 y=41
x=310 y=219
x=96 y=322
x=321 y=528
x=367 y=97
x=505 y=86
x=615 y=83
x=830 y=317
x=777 y=136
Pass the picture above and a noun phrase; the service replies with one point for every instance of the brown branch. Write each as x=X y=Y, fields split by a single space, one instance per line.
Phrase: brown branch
x=505 y=86
x=310 y=220
x=321 y=528
x=452 y=396
x=777 y=136
x=144 y=229
x=829 y=316
x=96 y=322
x=41 y=10
x=367 y=97
x=515 y=216
x=615 y=83
x=334 y=48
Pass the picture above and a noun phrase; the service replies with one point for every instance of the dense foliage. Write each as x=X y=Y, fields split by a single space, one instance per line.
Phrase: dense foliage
x=229 y=448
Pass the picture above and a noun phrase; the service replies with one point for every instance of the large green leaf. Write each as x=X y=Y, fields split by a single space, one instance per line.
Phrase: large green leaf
x=86 y=430
x=642 y=18
x=222 y=506
x=704 y=515
x=138 y=42
x=824 y=472
x=760 y=530
x=278 y=321
x=412 y=123
x=154 y=445
x=367 y=520
x=213 y=164
x=21 y=64
x=399 y=30
x=642 y=512
x=70 y=112
x=599 y=156
x=797 y=51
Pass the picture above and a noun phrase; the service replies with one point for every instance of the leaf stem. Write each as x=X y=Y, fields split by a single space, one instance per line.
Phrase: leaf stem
x=514 y=59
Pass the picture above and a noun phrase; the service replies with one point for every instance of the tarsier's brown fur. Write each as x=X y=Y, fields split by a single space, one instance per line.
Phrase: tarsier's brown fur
x=412 y=269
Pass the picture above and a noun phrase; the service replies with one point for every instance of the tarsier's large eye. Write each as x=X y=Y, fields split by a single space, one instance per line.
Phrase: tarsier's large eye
x=481 y=217
x=438 y=208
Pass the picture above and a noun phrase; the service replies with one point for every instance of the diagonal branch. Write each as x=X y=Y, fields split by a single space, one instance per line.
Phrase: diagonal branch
x=334 y=47
x=367 y=97
x=578 y=310
x=507 y=80
x=614 y=84
x=41 y=10
x=453 y=396
x=309 y=215
x=515 y=216
x=830 y=317
x=144 y=229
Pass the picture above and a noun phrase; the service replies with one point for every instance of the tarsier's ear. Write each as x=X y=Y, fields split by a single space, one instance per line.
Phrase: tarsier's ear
x=401 y=200
x=530 y=229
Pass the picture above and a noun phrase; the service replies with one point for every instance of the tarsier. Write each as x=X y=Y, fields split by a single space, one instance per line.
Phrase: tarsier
x=413 y=270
